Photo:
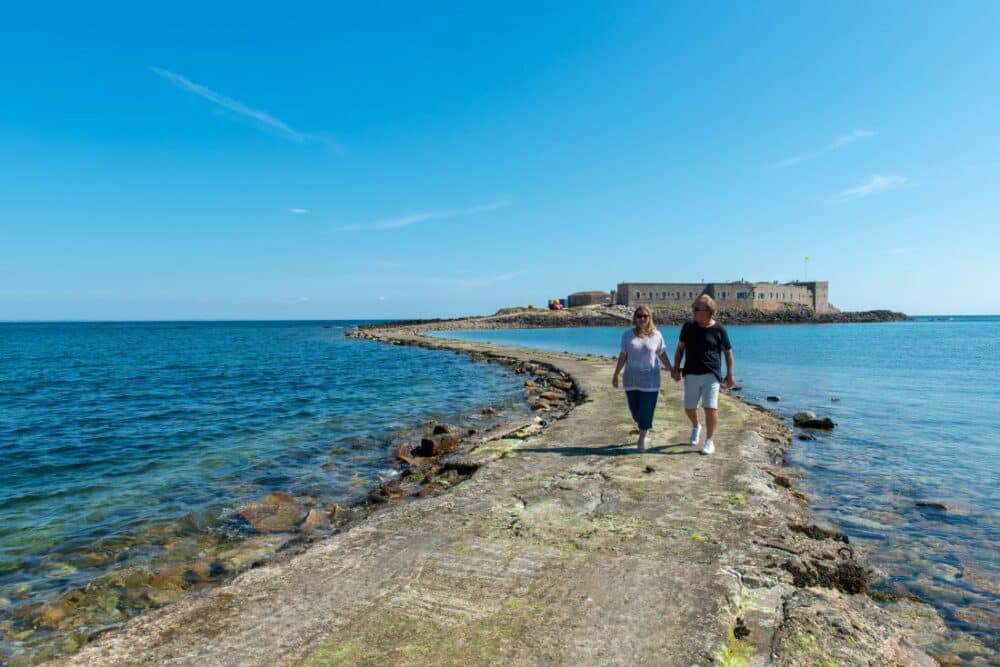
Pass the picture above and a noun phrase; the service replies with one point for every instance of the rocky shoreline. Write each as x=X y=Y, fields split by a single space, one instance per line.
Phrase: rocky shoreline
x=278 y=526
x=507 y=560
x=605 y=316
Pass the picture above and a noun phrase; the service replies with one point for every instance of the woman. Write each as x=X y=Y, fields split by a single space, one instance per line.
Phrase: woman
x=641 y=354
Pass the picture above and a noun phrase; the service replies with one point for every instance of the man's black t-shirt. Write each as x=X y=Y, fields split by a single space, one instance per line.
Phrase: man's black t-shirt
x=703 y=348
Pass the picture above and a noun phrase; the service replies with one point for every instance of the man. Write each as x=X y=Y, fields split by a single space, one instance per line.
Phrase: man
x=702 y=344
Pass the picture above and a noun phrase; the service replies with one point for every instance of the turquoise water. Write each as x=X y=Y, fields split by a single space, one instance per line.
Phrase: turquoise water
x=918 y=420
x=120 y=441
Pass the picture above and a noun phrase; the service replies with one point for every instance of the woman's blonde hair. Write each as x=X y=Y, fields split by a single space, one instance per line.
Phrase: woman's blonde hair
x=650 y=327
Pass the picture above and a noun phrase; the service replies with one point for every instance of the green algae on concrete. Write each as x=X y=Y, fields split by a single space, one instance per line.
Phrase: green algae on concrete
x=397 y=639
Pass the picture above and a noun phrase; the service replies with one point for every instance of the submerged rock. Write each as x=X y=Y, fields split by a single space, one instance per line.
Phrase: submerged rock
x=316 y=520
x=774 y=398
x=932 y=505
x=276 y=512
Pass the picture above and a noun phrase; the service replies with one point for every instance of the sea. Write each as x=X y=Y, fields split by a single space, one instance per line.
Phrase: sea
x=912 y=470
x=127 y=450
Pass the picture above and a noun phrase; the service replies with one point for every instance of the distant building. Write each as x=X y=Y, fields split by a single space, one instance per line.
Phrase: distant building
x=739 y=294
x=588 y=298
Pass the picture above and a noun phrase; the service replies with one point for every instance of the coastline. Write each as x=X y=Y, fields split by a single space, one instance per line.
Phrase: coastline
x=609 y=315
x=567 y=499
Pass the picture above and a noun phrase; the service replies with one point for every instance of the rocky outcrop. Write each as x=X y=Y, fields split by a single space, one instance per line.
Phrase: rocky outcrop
x=605 y=315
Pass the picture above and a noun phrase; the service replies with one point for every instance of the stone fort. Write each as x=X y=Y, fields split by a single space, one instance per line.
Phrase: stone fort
x=739 y=294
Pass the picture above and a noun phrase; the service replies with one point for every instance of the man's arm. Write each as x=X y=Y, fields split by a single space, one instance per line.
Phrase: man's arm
x=678 y=355
x=730 y=369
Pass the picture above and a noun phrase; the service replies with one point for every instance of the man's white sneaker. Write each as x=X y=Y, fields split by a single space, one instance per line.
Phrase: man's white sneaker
x=695 y=434
x=708 y=448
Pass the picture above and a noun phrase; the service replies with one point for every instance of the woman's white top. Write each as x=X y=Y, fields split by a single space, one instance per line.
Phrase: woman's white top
x=642 y=362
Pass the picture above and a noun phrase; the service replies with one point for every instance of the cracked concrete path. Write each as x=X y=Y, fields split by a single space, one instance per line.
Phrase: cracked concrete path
x=570 y=548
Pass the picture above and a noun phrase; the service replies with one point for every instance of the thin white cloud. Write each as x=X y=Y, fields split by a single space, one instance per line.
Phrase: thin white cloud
x=415 y=218
x=298 y=211
x=262 y=117
x=875 y=185
x=839 y=142
x=443 y=282
x=386 y=264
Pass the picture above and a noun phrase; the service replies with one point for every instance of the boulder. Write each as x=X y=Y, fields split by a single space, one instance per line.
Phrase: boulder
x=403 y=452
x=392 y=489
x=554 y=395
x=565 y=385
x=807 y=419
x=436 y=445
x=774 y=398
x=276 y=512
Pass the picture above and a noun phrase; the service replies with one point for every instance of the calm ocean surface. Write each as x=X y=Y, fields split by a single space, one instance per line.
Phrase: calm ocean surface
x=124 y=446
x=918 y=420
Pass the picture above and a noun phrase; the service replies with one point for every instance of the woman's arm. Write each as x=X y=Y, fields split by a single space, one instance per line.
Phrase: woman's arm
x=666 y=362
x=618 y=369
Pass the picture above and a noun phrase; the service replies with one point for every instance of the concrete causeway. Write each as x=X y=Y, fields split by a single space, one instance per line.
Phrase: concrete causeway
x=565 y=548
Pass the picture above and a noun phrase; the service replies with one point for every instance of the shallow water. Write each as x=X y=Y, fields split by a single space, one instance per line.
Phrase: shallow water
x=917 y=415
x=127 y=448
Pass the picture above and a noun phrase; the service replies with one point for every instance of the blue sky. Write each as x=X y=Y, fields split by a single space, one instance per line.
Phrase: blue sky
x=308 y=161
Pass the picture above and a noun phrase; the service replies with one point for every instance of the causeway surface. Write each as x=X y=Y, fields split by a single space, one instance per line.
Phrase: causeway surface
x=565 y=547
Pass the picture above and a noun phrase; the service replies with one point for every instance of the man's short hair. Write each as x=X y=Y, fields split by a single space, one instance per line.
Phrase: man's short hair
x=708 y=302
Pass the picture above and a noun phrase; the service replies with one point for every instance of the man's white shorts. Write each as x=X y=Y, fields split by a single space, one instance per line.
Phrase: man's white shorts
x=703 y=389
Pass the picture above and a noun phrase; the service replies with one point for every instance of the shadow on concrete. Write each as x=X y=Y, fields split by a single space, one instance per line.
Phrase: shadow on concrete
x=676 y=449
